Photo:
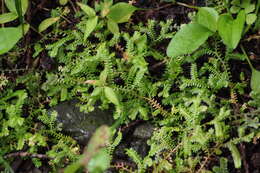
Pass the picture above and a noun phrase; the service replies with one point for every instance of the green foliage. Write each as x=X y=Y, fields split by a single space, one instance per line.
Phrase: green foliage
x=222 y=167
x=95 y=157
x=255 y=80
x=189 y=38
x=118 y=13
x=185 y=97
x=249 y=8
x=47 y=22
x=231 y=36
x=208 y=17
x=121 y=12
x=10 y=36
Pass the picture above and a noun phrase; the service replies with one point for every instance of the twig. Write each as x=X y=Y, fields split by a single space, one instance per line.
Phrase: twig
x=164 y=6
x=173 y=151
x=73 y=6
x=186 y=5
x=249 y=62
x=158 y=64
x=65 y=18
x=203 y=164
x=25 y=154
x=252 y=37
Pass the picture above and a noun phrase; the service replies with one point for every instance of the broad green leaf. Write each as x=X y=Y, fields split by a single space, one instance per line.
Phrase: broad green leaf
x=10 y=36
x=87 y=9
x=234 y=9
x=7 y=17
x=189 y=38
x=99 y=162
x=111 y=95
x=90 y=26
x=121 y=12
x=47 y=23
x=231 y=30
x=112 y=26
x=250 y=18
x=235 y=154
x=63 y=2
x=96 y=91
x=255 y=81
x=235 y=2
x=249 y=8
x=208 y=17
x=73 y=167
x=10 y=4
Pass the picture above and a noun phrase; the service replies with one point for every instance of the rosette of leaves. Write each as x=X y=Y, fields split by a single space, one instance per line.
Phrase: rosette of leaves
x=248 y=6
x=113 y=14
x=207 y=23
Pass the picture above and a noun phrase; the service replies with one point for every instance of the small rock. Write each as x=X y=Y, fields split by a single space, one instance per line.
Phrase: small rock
x=144 y=131
x=79 y=125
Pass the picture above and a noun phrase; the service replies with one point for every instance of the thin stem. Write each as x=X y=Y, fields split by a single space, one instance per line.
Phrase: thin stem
x=186 y=5
x=3 y=10
x=35 y=30
x=248 y=60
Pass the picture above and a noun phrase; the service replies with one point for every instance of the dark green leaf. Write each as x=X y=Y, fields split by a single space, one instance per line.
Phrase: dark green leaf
x=87 y=9
x=189 y=38
x=208 y=17
x=250 y=18
x=255 y=81
x=47 y=23
x=121 y=12
x=231 y=30
x=10 y=4
x=7 y=17
x=111 y=95
x=234 y=9
x=249 y=8
x=112 y=26
x=90 y=26
x=10 y=36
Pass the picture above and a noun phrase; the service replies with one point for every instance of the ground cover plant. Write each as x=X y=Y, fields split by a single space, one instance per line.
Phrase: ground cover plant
x=189 y=68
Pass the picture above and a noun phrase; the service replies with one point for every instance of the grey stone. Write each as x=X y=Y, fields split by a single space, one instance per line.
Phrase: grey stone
x=81 y=125
x=144 y=131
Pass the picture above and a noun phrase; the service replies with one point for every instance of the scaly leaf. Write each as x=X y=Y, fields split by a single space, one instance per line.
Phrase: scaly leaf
x=235 y=154
x=90 y=26
x=87 y=9
x=231 y=30
x=10 y=36
x=111 y=95
x=47 y=23
x=189 y=38
x=208 y=17
x=7 y=17
x=121 y=12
